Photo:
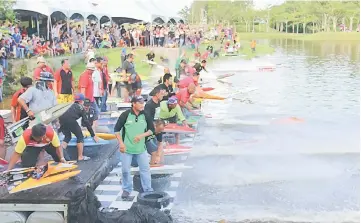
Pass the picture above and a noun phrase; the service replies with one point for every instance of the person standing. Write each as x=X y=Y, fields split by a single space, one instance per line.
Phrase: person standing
x=153 y=103
x=41 y=67
x=127 y=71
x=64 y=83
x=97 y=80
x=86 y=86
x=106 y=82
x=39 y=97
x=17 y=111
x=131 y=130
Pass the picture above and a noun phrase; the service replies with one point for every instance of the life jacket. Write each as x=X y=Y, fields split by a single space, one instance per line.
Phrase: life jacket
x=45 y=141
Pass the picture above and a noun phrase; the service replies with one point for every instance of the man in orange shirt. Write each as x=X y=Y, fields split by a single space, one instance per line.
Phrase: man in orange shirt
x=64 y=83
x=42 y=67
x=17 y=111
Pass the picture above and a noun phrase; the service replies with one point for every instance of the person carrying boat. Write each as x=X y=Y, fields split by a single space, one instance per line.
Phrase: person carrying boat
x=200 y=66
x=39 y=97
x=64 y=83
x=153 y=103
x=17 y=111
x=189 y=80
x=69 y=125
x=131 y=130
x=184 y=99
x=33 y=141
x=170 y=111
x=150 y=56
x=154 y=144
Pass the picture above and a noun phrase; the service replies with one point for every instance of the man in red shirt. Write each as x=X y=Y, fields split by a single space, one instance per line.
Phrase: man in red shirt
x=86 y=87
x=17 y=111
x=188 y=80
x=42 y=67
x=64 y=83
x=184 y=96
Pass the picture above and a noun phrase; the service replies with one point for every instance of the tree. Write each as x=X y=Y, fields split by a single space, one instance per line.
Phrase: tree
x=185 y=13
x=6 y=10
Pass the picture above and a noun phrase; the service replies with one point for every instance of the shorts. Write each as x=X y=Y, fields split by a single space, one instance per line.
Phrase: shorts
x=29 y=157
x=95 y=107
x=65 y=98
x=68 y=127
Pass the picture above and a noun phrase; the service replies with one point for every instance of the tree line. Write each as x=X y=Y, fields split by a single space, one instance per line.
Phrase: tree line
x=288 y=17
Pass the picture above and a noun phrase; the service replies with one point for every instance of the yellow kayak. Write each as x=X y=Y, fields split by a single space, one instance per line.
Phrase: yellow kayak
x=105 y=136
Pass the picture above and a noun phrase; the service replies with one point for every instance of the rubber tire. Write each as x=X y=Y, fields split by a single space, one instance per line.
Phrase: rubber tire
x=154 y=199
x=160 y=182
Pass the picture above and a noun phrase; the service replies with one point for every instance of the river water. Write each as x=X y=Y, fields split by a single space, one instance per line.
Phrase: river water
x=288 y=171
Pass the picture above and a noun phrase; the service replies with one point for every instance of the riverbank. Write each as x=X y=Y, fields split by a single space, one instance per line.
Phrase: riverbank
x=326 y=36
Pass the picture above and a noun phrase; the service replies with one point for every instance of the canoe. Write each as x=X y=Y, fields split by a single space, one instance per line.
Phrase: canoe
x=88 y=141
x=105 y=136
x=56 y=172
x=175 y=128
x=209 y=96
x=207 y=89
x=169 y=152
x=177 y=146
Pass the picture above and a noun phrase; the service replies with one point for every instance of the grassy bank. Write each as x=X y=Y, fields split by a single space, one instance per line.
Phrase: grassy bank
x=331 y=36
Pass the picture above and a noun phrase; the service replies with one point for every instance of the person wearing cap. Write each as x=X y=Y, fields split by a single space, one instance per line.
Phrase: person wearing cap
x=171 y=111
x=41 y=67
x=39 y=97
x=86 y=87
x=131 y=130
x=90 y=113
x=32 y=142
x=17 y=111
x=64 y=83
x=68 y=125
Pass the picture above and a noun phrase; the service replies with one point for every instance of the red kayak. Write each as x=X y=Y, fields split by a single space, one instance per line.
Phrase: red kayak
x=207 y=89
x=176 y=151
x=175 y=128
x=177 y=146
x=3 y=162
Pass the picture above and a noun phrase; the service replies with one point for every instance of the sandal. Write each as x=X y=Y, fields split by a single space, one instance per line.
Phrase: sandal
x=85 y=158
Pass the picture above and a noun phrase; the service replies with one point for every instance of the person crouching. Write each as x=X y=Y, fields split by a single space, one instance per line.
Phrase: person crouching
x=69 y=125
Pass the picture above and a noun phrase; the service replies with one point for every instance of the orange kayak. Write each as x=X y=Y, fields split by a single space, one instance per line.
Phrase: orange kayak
x=209 y=96
x=56 y=172
x=176 y=151
x=3 y=162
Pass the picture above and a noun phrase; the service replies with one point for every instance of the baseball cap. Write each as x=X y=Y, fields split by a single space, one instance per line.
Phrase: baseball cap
x=87 y=102
x=184 y=61
x=172 y=101
x=136 y=99
x=79 y=97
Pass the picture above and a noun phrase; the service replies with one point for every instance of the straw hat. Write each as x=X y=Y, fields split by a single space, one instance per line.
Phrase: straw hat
x=90 y=66
x=40 y=60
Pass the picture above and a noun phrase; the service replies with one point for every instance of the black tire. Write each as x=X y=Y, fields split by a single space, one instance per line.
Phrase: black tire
x=154 y=199
x=160 y=182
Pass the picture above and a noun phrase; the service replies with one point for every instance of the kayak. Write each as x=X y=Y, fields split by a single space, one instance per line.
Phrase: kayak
x=207 y=89
x=175 y=128
x=105 y=136
x=177 y=146
x=168 y=152
x=209 y=96
x=87 y=142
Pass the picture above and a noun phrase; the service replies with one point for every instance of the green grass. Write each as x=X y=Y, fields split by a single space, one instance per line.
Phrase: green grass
x=331 y=36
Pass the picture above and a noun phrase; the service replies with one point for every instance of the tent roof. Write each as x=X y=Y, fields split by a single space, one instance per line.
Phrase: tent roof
x=137 y=9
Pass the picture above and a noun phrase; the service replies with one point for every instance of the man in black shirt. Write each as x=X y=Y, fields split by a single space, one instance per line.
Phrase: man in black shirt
x=69 y=125
x=151 y=55
x=127 y=71
x=153 y=103
x=166 y=85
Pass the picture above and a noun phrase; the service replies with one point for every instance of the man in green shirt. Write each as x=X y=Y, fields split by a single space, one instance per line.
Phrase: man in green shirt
x=171 y=111
x=135 y=126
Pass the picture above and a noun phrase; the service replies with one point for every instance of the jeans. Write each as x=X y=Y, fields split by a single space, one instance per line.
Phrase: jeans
x=144 y=171
x=103 y=103
x=181 y=42
x=151 y=39
x=186 y=112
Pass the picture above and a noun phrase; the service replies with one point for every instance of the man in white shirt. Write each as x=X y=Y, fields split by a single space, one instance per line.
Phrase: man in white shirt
x=97 y=80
